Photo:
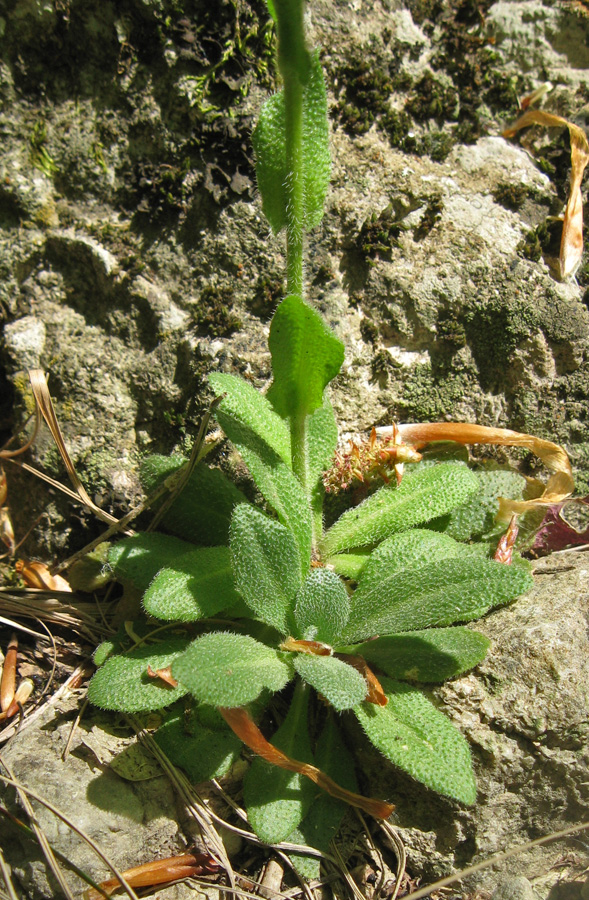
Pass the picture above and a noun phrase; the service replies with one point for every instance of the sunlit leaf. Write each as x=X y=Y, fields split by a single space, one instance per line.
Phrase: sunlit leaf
x=415 y=736
x=225 y=669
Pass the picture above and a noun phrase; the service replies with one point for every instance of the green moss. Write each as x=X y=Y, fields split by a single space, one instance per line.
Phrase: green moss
x=39 y=155
x=215 y=314
x=268 y=293
x=369 y=331
x=437 y=145
x=367 y=87
x=450 y=329
x=432 y=100
x=494 y=330
x=380 y=366
x=397 y=126
x=431 y=215
x=542 y=241
x=379 y=234
x=510 y=195
x=430 y=396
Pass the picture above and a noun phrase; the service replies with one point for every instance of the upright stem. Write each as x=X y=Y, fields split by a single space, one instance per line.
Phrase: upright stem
x=294 y=62
x=293 y=101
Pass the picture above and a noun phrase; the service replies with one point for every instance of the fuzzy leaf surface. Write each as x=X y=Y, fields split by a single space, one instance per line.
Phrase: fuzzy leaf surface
x=196 y=585
x=322 y=434
x=266 y=566
x=476 y=518
x=414 y=735
x=349 y=565
x=454 y=590
x=245 y=408
x=322 y=607
x=339 y=683
x=136 y=560
x=203 y=752
x=323 y=820
x=402 y=552
x=423 y=494
x=225 y=669
x=306 y=356
x=122 y=683
x=277 y=800
x=264 y=451
x=202 y=511
x=431 y=655
x=269 y=140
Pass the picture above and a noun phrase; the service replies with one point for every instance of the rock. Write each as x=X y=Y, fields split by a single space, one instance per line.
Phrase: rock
x=107 y=786
x=518 y=888
x=130 y=230
x=524 y=711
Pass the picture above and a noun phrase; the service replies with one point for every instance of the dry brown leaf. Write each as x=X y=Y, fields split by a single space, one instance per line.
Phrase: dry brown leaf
x=375 y=694
x=161 y=871
x=37 y=575
x=571 y=244
x=504 y=551
x=8 y=682
x=560 y=484
x=246 y=729
x=45 y=407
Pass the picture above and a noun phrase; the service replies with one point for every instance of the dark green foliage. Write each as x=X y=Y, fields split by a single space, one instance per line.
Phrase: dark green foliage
x=277 y=800
x=283 y=584
x=201 y=513
x=431 y=655
x=414 y=735
x=195 y=586
x=202 y=751
x=266 y=566
x=322 y=821
x=226 y=669
x=421 y=496
x=123 y=683
x=136 y=560
x=269 y=140
x=322 y=607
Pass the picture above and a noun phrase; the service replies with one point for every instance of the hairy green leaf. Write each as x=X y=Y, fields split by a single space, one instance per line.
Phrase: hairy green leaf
x=226 y=669
x=415 y=736
x=349 y=565
x=338 y=682
x=453 y=590
x=276 y=800
x=476 y=518
x=265 y=460
x=402 y=552
x=203 y=752
x=306 y=355
x=431 y=655
x=322 y=607
x=202 y=511
x=266 y=566
x=136 y=560
x=122 y=683
x=423 y=494
x=269 y=140
x=196 y=585
x=323 y=820
x=243 y=408
x=322 y=434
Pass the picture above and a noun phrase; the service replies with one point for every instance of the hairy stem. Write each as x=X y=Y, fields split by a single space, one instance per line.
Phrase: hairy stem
x=294 y=62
